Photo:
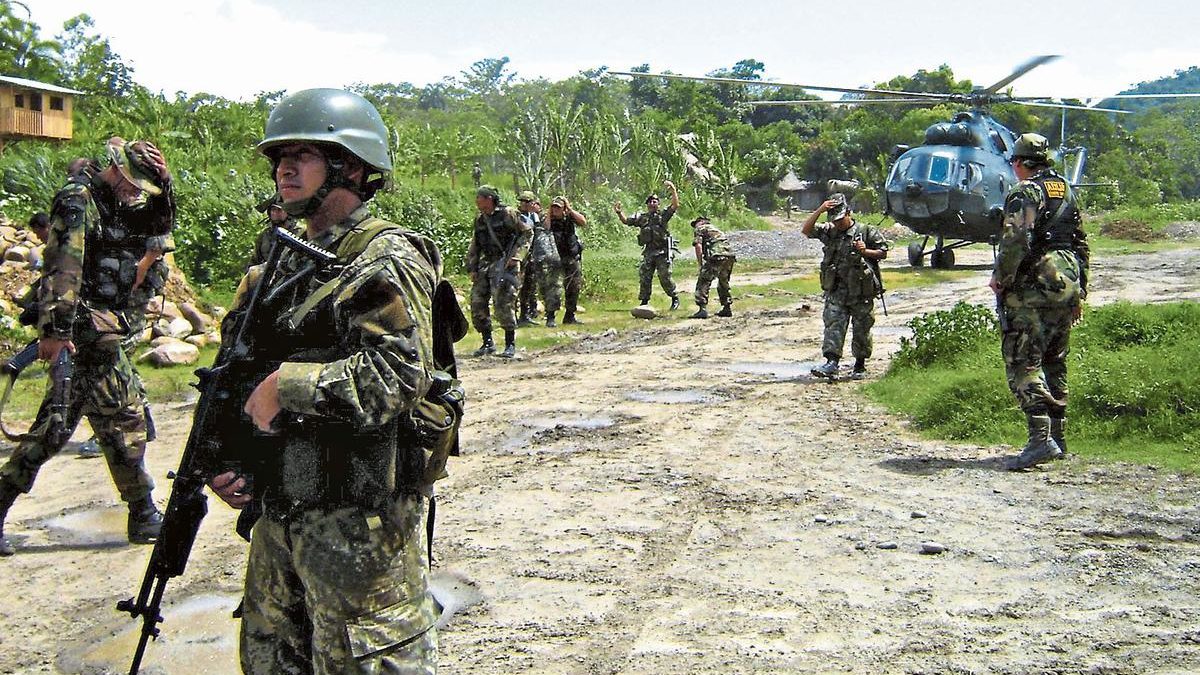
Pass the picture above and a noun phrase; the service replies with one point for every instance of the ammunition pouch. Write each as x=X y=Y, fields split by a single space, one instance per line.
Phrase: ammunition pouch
x=645 y=236
x=430 y=435
x=828 y=276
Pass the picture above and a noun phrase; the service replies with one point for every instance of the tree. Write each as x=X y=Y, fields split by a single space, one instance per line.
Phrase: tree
x=89 y=63
x=22 y=52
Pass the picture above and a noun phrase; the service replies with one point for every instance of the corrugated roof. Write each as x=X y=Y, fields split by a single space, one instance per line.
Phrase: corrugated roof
x=34 y=84
x=791 y=182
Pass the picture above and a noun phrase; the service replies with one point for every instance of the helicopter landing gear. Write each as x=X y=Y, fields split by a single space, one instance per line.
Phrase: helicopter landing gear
x=941 y=258
x=916 y=254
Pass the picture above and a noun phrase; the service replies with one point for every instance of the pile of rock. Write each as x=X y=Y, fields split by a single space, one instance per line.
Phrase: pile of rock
x=19 y=249
x=177 y=331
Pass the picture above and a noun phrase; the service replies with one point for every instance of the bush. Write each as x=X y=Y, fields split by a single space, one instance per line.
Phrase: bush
x=946 y=335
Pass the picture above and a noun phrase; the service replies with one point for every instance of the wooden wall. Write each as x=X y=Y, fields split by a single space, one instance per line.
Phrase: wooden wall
x=23 y=122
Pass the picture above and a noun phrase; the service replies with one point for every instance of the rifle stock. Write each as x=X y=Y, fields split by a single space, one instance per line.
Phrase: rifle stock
x=218 y=428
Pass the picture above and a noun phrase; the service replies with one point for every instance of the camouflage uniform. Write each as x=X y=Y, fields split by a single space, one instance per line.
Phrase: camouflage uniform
x=654 y=236
x=499 y=286
x=850 y=286
x=337 y=577
x=717 y=264
x=532 y=271
x=570 y=253
x=86 y=296
x=543 y=272
x=1042 y=266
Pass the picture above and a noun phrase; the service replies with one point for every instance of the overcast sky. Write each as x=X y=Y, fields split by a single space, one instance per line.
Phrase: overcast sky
x=238 y=48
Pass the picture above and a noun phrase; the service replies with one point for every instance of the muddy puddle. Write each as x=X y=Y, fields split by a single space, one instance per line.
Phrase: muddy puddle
x=198 y=637
x=800 y=371
x=674 y=396
x=93 y=527
x=526 y=433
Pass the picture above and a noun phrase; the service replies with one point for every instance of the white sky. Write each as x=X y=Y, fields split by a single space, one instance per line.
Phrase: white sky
x=237 y=48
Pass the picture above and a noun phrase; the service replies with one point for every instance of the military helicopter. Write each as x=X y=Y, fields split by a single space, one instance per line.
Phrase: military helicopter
x=952 y=187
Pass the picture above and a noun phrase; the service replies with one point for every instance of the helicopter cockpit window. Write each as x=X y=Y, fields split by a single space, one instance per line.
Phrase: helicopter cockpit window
x=939 y=170
x=900 y=171
x=998 y=141
x=972 y=177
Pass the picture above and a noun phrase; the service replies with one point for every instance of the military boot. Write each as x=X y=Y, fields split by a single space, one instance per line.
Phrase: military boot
x=145 y=521
x=860 y=369
x=1057 y=427
x=674 y=302
x=726 y=311
x=488 y=347
x=700 y=314
x=828 y=371
x=1040 y=448
x=524 y=321
x=8 y=495
x=569 y=318
x=510 y=344
x=550 y=322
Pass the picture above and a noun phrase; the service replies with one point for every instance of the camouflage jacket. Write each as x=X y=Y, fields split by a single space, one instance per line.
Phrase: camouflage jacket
x=1042 y=261
x=846 y=276
x=566 y=237
x=713 y=243
x=511 y=238
x=542 y=248
x=356 y=342
x=91 y=258
x=653 y=233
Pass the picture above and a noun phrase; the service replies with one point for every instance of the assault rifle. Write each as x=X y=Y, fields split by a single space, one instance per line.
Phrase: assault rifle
x=218 y=427
x=873 y=265
x=54 y=429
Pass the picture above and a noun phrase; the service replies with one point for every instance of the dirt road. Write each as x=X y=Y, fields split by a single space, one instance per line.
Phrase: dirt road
x=687 y=499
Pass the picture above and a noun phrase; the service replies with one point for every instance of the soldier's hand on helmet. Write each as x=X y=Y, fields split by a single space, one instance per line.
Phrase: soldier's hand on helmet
x=229 y=487
x=566 y=205
x=49 y=348
x=152 y=157
x=263 y=405
x=826 y=205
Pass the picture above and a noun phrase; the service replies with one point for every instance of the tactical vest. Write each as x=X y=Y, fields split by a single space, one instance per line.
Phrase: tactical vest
x=846 y=276
x=329 y=463
x=495 y=245
x=652 y=231
x=112 y=250
x=714 y=244
x=1058 y=218
x=566 y=239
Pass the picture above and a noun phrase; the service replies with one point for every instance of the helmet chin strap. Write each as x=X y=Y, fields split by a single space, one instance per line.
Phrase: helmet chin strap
x=335 y=177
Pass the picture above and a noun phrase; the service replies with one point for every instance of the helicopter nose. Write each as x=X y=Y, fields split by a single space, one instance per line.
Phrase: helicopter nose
x=912 y=190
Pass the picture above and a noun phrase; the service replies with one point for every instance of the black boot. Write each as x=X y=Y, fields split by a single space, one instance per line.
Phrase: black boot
x=701 y=313
x=550 y=322
x=8 y=495
x=488 y=347
x=828 y=371
x=860 y=369
x=674 y=302
x=726 y=310
x=510 y=344
x=525 y=321
x=145 y=521
x=569 y=318
x=1057 y=427
x=1040 y=448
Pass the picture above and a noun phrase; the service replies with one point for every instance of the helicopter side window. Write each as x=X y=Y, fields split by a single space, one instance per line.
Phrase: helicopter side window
x=998 y=141
x=900 y=170
x=939 y=170
x=972 y=177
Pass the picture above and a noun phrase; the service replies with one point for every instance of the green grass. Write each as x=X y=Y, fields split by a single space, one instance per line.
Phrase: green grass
x=1134 y=380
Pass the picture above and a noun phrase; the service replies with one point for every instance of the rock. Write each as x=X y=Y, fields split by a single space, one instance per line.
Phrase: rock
x=887 y=545
x=155 y=306
x=9 y=233
x=932 y=548
x=176 y=328
x=35 y=256
x=163 y=340
x=171 y=311
x=17 y=254
x=201 y=322
x=172 y=354
x=918 y=514
x=644 y=312
x=200 y=340
x=214 y=337
x=821 y=519
x=218 y=313
x=18 y=294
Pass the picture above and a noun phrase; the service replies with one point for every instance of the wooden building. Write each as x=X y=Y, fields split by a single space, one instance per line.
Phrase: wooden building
x=30 y=109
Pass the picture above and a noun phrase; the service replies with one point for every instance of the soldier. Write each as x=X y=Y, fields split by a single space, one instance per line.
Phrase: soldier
x=563 y=221
x=529 y=211
x=476 y=174
x=655 y=238
x=545 y=270
x=109 y=230
x=494 y=263
x=1040 y=280
x=850 y=280
x=715 y=258
x=337 y=575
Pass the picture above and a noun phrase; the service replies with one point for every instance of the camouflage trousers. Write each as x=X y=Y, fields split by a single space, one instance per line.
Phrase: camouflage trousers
x=841 y=315
x=106 y=388
x=541 y=278
x=652 y=263
x=1035 y=349
x=719 y=268
x=486 y=292
x=340 y=591
x=572 y=274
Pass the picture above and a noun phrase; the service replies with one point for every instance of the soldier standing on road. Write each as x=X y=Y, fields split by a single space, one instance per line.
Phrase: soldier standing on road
x=850 y=280
x=563 y=221
x=715 y=258
x=1040 y=278
x=109 y=230
x=337 y=575
x=529 y=211
x=655 y=238
x=476 y=174
x=498 y=243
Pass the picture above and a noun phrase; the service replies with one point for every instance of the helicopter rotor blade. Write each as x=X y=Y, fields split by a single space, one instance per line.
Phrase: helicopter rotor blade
x=848 y=101
x=1066 y=106
x=1102 y=98
x=760 y=83
x=1021 y=70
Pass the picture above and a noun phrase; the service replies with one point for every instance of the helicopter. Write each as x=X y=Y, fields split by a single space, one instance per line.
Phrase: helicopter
x=952 y=187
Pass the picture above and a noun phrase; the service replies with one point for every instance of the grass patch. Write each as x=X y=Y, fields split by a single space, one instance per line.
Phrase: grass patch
x=1135 y=384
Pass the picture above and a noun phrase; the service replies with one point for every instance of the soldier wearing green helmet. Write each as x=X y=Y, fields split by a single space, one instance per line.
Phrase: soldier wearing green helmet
x=337 y=575
x=1040 y=281
x=498 y=244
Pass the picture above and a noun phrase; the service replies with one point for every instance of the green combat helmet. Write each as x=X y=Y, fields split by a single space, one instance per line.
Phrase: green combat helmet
x=1033 y=148
x=331 y=117
x=488 y=191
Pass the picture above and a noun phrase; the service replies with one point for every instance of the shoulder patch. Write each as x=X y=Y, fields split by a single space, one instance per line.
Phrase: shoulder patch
x=1055 y=189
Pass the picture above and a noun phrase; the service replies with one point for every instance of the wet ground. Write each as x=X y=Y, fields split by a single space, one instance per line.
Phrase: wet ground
x=687 y=498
